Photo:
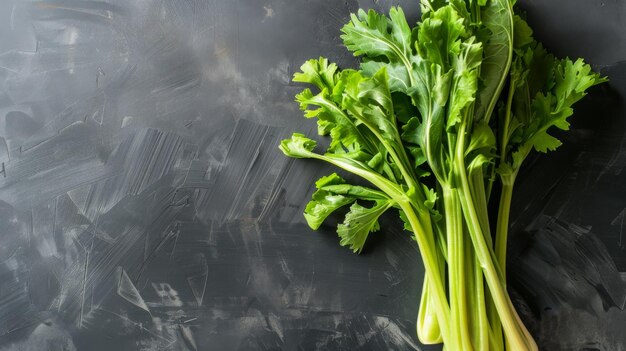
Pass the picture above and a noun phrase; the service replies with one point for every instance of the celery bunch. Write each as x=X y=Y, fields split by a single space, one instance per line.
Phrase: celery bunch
x=435 y=114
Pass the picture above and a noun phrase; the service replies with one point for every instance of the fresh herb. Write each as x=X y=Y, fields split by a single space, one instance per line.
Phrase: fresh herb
x=435 y=114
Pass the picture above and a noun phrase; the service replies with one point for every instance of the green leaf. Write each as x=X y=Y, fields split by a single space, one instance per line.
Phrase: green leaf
x=317 y=72
x=359 y=222
x=439 y=36
x=356 y=192
x=381 y=164
x=403 y=107
x=397 y=73
x=464 y=82
x=540 y=65
x=400 y=30
x=405 y=222
x=411 y=131
x=377 y=162
x=324 y=202
x=460 y=6
x=572 y=79
x=412 y=134
x=482 y=139
x=419 y=159
x=384 y=42
x=333 y=193
x=543 y=99
x=375 y=90
x=374 y=35
x=299 y=146
x=497 y=18
x=431 y=198
x=331 y=118
x=431 y=94
x=369 y=101
x=431 y=6
x=522 y=34
x=520 y=155
x=544 y=142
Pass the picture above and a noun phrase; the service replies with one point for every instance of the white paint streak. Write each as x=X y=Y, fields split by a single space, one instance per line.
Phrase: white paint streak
x=395 y=335
x=269 y=12
x=276 y=326
x=620 y=220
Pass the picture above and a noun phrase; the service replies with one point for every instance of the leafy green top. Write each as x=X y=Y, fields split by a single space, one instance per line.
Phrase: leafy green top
x=422 y=99
x=541 y=94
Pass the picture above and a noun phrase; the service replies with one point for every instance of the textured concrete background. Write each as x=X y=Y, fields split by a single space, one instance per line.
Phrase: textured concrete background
x=144 y=204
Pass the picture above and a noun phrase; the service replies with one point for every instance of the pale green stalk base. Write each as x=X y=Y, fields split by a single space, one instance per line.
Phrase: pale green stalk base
x=514 y=330
x=456 y=272
x=502 y=227
x=428 y=331
x=424 y=237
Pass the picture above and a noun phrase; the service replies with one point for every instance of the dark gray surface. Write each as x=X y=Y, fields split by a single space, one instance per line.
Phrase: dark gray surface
x=144 y=204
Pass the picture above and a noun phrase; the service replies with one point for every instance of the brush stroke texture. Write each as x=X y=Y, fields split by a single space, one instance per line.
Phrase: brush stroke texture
x=144 y=204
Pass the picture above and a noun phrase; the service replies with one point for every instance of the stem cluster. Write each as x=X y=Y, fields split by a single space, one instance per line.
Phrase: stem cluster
x=423 y=122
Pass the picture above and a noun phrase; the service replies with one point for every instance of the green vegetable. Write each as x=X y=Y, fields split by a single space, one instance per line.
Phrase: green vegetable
x=417 y=122
x=542 y=90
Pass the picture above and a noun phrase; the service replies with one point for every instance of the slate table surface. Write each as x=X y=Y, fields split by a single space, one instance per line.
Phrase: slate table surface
x=144 y=204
